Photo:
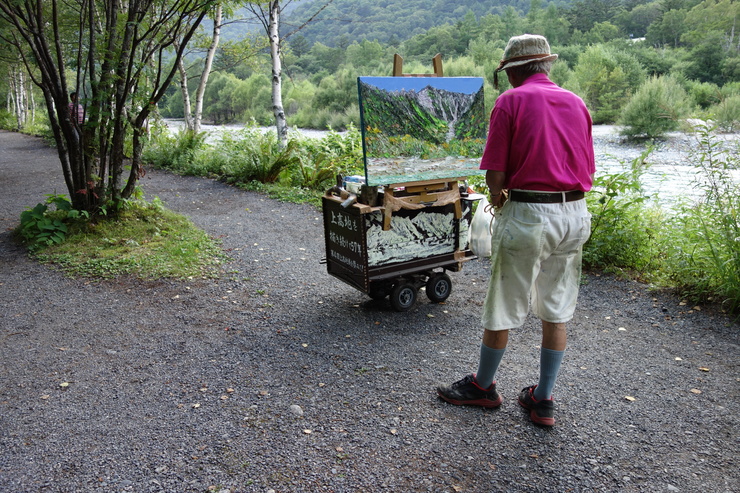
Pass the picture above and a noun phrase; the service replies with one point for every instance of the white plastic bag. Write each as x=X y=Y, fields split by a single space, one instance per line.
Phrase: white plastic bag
x=480 y=229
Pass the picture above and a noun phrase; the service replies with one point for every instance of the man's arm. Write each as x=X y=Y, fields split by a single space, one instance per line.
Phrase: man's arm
x=495 y=181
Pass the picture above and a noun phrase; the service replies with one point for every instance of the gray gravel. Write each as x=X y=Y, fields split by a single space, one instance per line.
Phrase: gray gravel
x=278 y=377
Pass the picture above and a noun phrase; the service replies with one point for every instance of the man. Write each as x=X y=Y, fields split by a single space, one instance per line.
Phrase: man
x=540 y=149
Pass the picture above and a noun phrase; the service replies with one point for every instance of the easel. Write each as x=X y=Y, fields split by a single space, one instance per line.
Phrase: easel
x=398 y=67
x=420 y=193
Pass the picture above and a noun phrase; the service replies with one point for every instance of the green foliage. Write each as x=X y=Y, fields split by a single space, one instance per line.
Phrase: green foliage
x=705 y=254
x=605 y=78
x=321 y=160
x=8 y=121
x=41 y=226
x=623 y=229
x=261 y=160
x=704 y=94
x=176 y=152
x=726 y=114
x=253 y=156
x=656 y=108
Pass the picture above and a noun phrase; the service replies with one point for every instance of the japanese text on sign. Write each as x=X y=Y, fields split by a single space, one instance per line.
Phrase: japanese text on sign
x=344 y=221
x=353 y=264
x=343 y=242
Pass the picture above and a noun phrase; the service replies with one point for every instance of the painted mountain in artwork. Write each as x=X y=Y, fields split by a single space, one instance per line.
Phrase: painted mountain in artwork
x=430 y=114
x=421 y=128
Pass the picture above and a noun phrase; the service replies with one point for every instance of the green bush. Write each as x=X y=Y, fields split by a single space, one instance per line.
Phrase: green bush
x=41 y=226
x=321 y=160
x=657 y=107
x=175 y=152
x=704 y=94
x=726 y=114
x=705 y=251
x=625 y=228
x=605 y=78
x=8 y=121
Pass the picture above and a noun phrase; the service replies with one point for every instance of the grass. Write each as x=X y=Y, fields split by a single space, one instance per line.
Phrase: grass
x=145 y=240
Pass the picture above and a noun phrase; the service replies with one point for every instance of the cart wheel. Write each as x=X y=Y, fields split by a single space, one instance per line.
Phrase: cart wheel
x=377 y=291
x=439 y=287
x=403 y=297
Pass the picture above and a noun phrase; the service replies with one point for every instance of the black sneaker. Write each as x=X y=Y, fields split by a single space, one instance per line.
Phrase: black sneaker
x=467 y=392
x=540 y=412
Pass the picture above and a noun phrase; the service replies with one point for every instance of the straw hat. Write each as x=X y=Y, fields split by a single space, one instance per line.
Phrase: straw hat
x=524 y=49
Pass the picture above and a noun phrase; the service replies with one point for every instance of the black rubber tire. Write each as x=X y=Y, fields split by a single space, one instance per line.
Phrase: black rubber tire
x=403 y=297
x=439 y=287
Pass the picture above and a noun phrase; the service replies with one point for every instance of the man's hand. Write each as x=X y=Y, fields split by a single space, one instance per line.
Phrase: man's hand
x=499 y=199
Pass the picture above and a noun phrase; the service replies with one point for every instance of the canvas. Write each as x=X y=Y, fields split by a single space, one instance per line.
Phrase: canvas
x=421 y=128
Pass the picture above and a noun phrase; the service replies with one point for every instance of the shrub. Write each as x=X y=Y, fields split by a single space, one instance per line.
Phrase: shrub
x=321 y=160
x=175 y=152
x=624 y=230
x=655 y=109
x=256 y=156
x=705 y=253
x=704 y=94
x=726 y=114
x=41 y=226
x=8 y=121
x=605 y=78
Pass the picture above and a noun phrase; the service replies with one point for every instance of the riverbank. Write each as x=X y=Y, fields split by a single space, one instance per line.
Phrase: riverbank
x=670 y=175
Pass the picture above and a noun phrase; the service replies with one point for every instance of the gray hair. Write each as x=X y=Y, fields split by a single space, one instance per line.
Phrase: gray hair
x=541 y=67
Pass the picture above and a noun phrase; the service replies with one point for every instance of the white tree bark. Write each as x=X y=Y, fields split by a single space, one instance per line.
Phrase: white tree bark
x=18 y=89
x=277 y=71
x=187 y=111
x=217 y=20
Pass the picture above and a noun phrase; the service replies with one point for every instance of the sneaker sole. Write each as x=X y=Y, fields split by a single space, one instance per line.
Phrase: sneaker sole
x=537 y=419
x=479 y=402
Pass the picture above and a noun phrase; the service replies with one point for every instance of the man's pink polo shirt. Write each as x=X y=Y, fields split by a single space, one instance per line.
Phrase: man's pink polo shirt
x=540 y=136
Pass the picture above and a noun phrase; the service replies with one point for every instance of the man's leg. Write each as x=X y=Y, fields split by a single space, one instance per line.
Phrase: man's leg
x=492 y=350
x=470 y=390
x=554 y=340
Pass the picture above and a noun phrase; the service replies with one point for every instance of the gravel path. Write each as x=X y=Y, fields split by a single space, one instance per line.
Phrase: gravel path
x=279 y=377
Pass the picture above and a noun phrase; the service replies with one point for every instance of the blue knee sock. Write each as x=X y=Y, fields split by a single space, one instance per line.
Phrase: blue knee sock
x=488 y=364
x=549 y=366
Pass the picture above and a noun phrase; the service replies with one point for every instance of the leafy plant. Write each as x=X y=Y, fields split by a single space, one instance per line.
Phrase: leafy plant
x=655 y=109
x=706 y=254
x=175 y=152
x=42 y=226
x=726 y=114
x=262 y=160
x=623 y=230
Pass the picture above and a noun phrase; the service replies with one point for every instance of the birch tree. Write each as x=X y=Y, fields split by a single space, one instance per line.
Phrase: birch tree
x=268 y=13
x=193 y=118
x=18 y=94
x=123 y=57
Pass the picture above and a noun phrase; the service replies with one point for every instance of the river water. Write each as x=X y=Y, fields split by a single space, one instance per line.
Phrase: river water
x=670 y=176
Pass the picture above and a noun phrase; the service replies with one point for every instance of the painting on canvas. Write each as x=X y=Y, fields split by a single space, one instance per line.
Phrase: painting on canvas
x=421 y=128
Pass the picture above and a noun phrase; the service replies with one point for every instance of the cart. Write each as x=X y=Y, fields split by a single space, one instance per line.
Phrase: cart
x=391 y=238
x=394 y=249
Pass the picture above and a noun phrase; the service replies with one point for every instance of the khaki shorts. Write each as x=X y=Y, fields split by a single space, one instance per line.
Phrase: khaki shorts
x=536 y=254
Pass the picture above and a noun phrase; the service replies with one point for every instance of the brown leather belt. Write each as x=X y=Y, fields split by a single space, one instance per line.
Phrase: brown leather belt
x=545 y=197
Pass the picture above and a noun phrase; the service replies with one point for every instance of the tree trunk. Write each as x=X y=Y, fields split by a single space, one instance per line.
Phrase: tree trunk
x=217 y=19
x=277 y=71
x=187 y=111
